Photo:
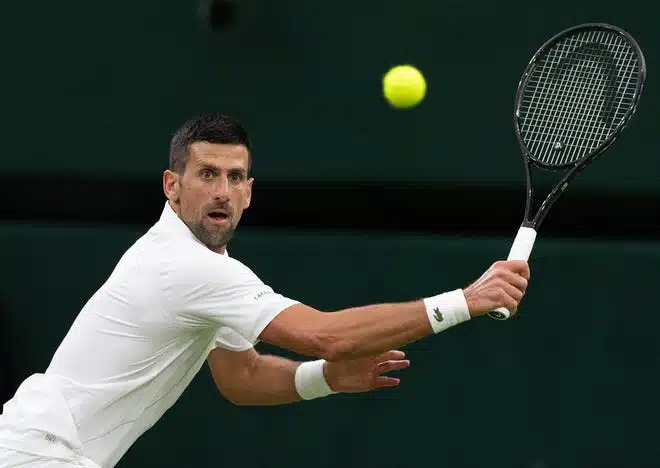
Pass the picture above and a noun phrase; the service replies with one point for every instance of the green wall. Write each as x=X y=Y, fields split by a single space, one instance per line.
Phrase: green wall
x=115 y=82
x=570 y=383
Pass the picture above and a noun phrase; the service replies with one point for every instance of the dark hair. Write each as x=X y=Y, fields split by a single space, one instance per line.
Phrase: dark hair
x=212 y=127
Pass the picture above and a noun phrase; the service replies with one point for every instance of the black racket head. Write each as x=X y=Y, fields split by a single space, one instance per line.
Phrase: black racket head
x=577 y=94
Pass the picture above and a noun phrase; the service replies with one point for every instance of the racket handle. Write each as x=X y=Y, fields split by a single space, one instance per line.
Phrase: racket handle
x=520 y=250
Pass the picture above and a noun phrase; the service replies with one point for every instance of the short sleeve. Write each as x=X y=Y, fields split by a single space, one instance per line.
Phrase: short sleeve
x=216 y=290
x=229 y=339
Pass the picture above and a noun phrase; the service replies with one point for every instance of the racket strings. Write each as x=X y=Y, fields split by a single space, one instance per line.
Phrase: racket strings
x=577 y=95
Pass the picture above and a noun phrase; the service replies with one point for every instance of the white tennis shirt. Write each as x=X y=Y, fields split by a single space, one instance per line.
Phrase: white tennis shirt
x=140 y=340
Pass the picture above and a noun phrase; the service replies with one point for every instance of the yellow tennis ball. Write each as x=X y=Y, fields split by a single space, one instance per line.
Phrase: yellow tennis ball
x=404 y=86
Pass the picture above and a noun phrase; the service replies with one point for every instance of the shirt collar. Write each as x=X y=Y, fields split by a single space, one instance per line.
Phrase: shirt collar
x=172 y=223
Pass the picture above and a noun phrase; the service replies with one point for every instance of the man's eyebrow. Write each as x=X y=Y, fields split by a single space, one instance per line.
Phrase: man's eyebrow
x=204 y=165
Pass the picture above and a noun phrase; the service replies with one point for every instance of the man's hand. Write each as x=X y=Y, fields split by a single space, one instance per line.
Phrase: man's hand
x=362 y=375
x=503 y=284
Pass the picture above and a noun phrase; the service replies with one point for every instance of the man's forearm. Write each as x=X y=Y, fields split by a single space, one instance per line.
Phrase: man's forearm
x=370 y=330
x=373 y=329
x=270 y=381
x=364 y=331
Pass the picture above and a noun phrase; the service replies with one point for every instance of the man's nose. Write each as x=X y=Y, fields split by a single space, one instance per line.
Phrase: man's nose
x=221 y=189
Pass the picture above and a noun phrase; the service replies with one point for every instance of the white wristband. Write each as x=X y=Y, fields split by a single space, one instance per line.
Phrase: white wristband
x=310 y=381
x=446 y=310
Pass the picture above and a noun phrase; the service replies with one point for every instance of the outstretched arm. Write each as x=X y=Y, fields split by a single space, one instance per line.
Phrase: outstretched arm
x=372 y=329
x=250 y=378
x=212 y=289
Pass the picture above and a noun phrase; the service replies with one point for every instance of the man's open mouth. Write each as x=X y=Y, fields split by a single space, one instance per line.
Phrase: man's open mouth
x=218 y=215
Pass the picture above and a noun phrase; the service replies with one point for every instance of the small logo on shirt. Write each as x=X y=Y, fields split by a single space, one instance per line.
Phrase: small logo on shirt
x=50 y=437
x=437 y=314
x=262 y=294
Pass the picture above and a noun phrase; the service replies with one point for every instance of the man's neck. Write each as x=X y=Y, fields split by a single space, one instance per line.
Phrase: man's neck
x=175 y=207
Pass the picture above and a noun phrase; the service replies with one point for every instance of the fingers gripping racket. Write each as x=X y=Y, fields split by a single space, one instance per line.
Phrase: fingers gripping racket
x=574 y=99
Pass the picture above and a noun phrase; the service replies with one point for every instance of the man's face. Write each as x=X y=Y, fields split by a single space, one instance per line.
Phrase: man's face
x=213 y=191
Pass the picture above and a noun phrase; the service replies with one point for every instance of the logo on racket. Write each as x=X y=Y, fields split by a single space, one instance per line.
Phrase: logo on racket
x=437 y=314
x=603 y=58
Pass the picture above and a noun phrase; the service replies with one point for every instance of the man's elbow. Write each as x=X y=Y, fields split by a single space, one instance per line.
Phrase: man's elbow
x=237 y=396
x=231 y=395
x=333 y=348
x=317 y=334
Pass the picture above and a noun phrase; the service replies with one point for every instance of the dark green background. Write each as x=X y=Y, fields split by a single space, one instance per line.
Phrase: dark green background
x=95 y=91
x=90 y=89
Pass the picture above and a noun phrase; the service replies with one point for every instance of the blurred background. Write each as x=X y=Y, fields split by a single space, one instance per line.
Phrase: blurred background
x=354 y=203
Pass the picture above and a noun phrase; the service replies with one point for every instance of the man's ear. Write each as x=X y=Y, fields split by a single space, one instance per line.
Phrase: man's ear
x=248 y=199
x=171 y=185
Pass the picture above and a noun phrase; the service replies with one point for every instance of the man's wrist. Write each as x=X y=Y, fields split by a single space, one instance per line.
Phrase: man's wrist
x=447 y=310
x=310 y=380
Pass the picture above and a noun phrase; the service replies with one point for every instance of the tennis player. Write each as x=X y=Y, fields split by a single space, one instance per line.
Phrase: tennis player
x=176 y=299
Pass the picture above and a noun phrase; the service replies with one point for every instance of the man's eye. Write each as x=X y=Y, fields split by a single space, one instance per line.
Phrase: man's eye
x=207 y=174
x=236 y=177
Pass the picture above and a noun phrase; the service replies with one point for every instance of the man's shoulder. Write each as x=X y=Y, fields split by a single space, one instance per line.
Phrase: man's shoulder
x=197 y=263
x=204 y=264
x=180 y=259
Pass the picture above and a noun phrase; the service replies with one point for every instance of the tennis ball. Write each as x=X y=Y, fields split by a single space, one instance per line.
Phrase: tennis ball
x=404 y=86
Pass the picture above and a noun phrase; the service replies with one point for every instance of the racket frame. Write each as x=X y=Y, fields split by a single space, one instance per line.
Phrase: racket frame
x=524 y=241
x=581 y=164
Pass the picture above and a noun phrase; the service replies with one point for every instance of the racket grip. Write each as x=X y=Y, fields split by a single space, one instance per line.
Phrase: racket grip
x=520 y=250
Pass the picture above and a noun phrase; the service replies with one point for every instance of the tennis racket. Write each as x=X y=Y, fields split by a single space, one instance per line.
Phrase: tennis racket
x=574 y=99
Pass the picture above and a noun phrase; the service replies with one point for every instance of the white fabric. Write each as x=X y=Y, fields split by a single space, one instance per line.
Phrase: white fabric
x=140 y=340
x=33 y=449
x=310 y=380
x=14 y=459
x=447 y=310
